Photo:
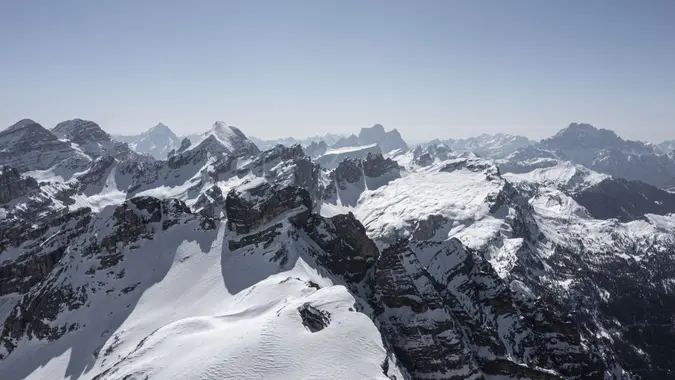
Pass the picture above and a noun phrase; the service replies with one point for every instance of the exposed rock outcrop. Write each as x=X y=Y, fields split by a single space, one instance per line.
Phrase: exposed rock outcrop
x=313 y=318
x=13 y=184
x=27 y=145
x=251 y=207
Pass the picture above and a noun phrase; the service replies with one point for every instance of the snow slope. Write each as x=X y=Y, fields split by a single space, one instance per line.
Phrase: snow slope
x=333 y=157
x=429 y=263
x=204 y=311
x=564 y=175
x=157 y=141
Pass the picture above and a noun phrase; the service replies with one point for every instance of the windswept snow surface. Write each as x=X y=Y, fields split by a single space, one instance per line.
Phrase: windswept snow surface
x=333 y=157
x=207 y=313
x=565 y=175
x=459 y=196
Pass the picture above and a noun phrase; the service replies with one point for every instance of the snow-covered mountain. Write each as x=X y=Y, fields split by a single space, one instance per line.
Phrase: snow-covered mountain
x=27 y=145
x=388 y=141
x=580 y=137
x=495 y=146
x=157 y=141
x=230 y=138
x=89 y=138
x=603 y=151
x=225 y=261
x=600 y=150
x=331 y=158
x=329 y=139
x=667 y=146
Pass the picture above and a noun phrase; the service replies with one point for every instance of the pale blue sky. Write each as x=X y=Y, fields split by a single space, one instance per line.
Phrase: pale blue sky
x=447 y=68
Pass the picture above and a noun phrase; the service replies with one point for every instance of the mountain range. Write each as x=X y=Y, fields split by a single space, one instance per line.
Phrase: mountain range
x=495 y=257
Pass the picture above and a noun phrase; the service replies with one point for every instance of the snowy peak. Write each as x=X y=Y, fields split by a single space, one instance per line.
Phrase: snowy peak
x=157 y=142
x=493 y=146
x=91 y=139
x=27 y=145
x=225 y=133
x=23 y=123
x=667 y=146
x=388 y=141
x=81 y=132
x=160 y=129
x=29 y=128
x=585 y=136
x=604 y=151
x=233 y=140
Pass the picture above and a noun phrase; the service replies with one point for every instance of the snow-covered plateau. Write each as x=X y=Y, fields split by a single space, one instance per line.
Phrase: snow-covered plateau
x=210 y=258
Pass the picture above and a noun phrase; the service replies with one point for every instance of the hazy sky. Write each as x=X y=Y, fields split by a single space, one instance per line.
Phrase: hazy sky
x=447 y=68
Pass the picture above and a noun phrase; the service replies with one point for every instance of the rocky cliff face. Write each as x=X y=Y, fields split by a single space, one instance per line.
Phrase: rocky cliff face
x=603 y=151
x=387 y=140
x=13 y=185
x=472 y=323
x=27 y=145
x=94 y=141
x=43 y=274
x=625 y=200
x=465 y=272
x=353 y=176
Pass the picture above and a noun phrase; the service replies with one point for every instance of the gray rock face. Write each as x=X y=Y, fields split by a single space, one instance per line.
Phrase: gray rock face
x=13 y=185
x=211 y=203
x=519 y=305
x=41 y=273
x=27 y=145
x=347 y=251
x=251 y=208
x=283 y=166
x=313 y=318
x=270 y=158
x=425 y=156
x=586 y=136
x=94 y=141
x=456 y=301
x=605 y=152
x=81 y=132
x=316 y=149
x=349 y=171
x=388 y=141
x=377 y=166
x=625 y=200
x=353 y=176
x=184 y=145
x=351 y=140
